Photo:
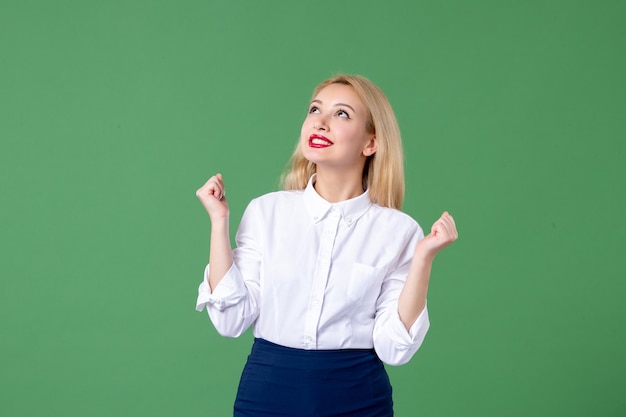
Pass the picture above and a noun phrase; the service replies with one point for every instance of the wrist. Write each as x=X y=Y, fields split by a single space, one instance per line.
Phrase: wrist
x=424 y=257
x=219 y=222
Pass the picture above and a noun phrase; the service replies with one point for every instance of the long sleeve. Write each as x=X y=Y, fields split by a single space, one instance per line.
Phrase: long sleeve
x=234 y=304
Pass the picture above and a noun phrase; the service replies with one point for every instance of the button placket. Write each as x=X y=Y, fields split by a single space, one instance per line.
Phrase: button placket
x=320 y=278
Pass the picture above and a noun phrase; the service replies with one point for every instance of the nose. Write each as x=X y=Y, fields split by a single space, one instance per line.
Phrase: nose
x=320 y=123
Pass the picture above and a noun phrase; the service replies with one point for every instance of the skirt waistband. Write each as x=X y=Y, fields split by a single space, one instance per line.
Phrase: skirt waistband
x=266 y=344
x=274 y=354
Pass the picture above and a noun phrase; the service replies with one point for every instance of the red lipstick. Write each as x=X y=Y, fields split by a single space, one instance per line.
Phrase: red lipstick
x=319 y=141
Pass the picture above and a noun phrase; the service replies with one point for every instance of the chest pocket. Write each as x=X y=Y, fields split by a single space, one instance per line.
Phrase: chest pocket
x=365 y=284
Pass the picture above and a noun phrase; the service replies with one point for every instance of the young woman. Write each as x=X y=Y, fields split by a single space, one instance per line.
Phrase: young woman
x=332 y=276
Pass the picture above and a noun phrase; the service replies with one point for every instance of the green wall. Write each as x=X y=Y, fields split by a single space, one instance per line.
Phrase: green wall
x=112 y=114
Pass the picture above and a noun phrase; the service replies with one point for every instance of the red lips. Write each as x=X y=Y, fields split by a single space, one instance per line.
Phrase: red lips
x=319 y=141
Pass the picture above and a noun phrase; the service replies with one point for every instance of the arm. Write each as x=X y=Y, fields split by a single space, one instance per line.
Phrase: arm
x=213 y=198
x=230 y=290
x=402 y=316
x=412 y=300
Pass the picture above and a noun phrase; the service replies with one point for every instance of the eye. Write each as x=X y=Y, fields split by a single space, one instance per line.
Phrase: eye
x=342 y=113
x=314 y=109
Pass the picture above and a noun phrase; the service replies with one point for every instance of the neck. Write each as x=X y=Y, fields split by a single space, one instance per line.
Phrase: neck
x=335 y=187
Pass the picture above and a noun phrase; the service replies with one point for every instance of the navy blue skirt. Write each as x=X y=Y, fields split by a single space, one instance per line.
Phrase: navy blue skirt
x=281 y=381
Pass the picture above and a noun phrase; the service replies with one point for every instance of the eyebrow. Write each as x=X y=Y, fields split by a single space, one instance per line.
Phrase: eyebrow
x=336 y=104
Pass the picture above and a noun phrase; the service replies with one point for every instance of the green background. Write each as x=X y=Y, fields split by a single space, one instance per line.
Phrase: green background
x=112 y=114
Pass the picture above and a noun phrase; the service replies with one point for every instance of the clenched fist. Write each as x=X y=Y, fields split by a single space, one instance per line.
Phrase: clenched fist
x=212 y=195
x=442 y=234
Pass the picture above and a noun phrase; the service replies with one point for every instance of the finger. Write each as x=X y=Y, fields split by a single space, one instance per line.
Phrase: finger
x=448 y=220
x=446 y=224
x=213 y=187
x=222 y=188
x=451 y=225
x=444 y=229
x=216 y=190
x=448 y=230
x=449 y=217
x=437 y=229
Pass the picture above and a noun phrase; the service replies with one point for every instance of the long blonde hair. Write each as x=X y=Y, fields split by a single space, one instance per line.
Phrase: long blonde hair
x=383 y=174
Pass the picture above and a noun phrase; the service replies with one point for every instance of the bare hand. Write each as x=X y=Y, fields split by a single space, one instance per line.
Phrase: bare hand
x=442 y=233
x=212 y=195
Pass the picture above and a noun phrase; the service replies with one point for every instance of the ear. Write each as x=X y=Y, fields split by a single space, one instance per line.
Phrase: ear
x=370 y=148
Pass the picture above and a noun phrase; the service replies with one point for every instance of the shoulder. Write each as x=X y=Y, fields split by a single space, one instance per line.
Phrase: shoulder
x=277 y=197
x=276 y=200
x=265 y=210
x=394 y=219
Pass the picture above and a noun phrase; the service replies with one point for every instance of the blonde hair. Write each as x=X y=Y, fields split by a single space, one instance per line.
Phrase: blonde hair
x=383 y=174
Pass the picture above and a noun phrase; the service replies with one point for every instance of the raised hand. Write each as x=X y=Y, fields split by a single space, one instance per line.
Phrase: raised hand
x=212 y=195
x=442 y=233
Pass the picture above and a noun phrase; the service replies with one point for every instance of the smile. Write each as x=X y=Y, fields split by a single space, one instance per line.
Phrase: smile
x=319 y=141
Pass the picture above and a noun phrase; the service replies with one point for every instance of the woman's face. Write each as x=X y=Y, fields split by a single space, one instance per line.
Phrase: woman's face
x=333 y=133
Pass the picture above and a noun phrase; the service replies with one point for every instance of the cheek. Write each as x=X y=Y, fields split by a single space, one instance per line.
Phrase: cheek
x=360 y=135
x=305 y=127
x=347 y=133
x=305 y=132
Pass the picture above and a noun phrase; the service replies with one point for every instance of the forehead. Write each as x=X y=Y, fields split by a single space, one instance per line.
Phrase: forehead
x=334 y=94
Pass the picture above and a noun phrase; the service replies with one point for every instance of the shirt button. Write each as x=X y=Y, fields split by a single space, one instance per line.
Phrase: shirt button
x=315 y=218
x=349 y=220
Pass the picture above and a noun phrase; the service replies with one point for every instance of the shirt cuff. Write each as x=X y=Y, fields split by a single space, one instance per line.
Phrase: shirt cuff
x=230 y=290
x=416 y=334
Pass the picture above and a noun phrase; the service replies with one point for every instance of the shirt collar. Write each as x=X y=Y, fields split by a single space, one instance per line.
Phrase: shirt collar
x=350 y=210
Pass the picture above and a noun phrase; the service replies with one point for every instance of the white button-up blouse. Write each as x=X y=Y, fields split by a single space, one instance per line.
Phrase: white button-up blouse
x=310 y=274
